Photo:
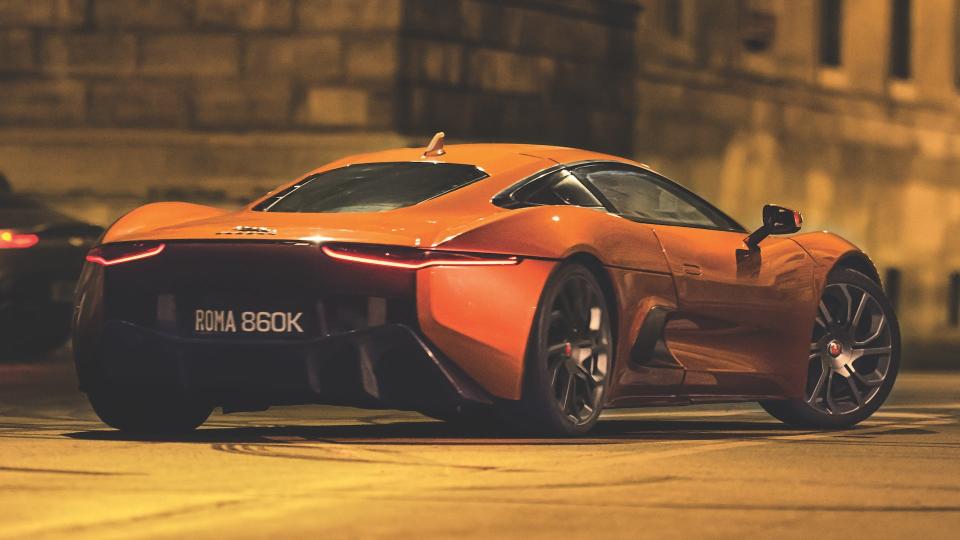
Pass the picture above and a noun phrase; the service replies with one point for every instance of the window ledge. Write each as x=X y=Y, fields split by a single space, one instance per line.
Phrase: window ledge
x=902 y=90
x=833 y=77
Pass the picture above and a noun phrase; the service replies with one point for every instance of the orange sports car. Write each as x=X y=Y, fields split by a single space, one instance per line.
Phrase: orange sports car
x=535 y=285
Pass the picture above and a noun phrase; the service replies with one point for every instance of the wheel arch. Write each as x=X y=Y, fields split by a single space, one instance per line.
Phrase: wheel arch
x=859 y=261
x=595 y=266
x=831 y=251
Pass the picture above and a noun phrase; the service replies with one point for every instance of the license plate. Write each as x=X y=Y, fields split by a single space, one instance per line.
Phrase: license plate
x=230 y=321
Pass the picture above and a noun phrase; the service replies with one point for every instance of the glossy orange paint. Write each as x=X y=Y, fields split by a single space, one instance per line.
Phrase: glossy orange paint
x=743 y=315
x=637 y=293
x=827 y=250
x=485 y=330
x=428 y=224
x=741 y=320
x=147 y=221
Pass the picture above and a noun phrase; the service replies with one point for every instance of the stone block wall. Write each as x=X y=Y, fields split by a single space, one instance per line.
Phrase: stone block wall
x=105 y=104
x=308 y=65
x=864 y=154
x=379 y=70
x=553 y=72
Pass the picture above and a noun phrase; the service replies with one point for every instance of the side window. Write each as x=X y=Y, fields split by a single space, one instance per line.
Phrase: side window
x=560 y=188
x=646 y=197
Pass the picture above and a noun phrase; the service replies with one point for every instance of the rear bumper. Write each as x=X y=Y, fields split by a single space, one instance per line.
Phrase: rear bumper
x=469 y=323
x=387 y=366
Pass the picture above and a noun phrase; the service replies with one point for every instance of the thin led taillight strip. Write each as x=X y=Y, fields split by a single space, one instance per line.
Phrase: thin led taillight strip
x=330 y=252
x=97 y=259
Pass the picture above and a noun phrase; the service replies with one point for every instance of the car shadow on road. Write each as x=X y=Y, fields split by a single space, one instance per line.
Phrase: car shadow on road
x=429 y=432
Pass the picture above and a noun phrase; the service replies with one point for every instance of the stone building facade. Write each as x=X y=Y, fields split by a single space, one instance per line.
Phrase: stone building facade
x=846 y=109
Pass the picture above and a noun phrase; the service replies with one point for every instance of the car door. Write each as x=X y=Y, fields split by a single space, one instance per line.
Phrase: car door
x=737 y=320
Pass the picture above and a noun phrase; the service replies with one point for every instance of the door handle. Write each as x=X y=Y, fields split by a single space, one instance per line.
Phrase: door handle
x=691 y=269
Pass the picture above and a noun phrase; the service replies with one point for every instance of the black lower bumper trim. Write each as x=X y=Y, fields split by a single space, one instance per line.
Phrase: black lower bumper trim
x=382 y=367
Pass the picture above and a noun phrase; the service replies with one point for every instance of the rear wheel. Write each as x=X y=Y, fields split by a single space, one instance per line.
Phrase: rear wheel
x=569 y=356
x=148 y=413
x=854 y=356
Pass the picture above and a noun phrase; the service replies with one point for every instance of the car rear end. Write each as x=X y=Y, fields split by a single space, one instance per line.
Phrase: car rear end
x=252 y=323
x=249 y=316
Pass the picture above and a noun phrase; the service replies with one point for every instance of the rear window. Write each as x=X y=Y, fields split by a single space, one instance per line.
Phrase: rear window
x=372 y=187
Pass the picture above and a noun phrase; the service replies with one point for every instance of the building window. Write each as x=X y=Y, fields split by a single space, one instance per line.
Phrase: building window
x=900 y=39
x=831 y=20
x=891 y=286
x=956 y=44
x=953 y=301
x=758 y=27
x=673 y=17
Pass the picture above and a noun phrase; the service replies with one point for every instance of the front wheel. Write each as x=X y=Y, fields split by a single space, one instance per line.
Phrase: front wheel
x=854 y=356
x=568 y=357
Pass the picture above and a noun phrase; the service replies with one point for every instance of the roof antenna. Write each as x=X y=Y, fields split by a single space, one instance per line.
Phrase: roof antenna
x=435 y=148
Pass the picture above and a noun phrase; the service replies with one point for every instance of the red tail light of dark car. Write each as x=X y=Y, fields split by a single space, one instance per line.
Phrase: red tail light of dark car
x=14 y=240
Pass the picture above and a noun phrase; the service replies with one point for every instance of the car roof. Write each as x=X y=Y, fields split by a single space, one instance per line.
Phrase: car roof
x=494 y=158
x=505 y=164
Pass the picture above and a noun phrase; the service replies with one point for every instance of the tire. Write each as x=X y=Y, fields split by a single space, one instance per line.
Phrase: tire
x=568 y=359
x=148 y=413
x=854 y=356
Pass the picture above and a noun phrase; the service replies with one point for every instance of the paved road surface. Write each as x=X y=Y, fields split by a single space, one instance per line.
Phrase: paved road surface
x=318 y=472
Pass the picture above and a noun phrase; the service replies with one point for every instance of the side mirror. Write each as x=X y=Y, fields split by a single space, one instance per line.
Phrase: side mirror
x=776 y=220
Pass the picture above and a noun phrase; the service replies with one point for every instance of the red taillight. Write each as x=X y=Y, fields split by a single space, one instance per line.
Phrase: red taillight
x=111 y=254
x=12 y=240
x=797 y=218
x=412 y=258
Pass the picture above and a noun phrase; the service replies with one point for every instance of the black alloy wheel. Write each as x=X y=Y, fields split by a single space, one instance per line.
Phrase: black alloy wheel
x=853 y=359
x=569 y=356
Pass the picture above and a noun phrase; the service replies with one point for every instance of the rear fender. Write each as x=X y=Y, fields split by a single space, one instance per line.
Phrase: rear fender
x=486 y=332
x=156 y=215
x=480 y=317
x=557 y=232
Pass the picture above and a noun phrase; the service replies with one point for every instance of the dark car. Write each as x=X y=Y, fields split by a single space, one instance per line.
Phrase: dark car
x=41 y=254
